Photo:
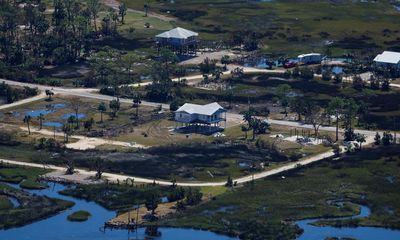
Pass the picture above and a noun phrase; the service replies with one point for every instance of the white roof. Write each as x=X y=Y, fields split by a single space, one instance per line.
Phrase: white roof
x=177 y=33
x=208 y=109
x=309 y=55
x=388 y=57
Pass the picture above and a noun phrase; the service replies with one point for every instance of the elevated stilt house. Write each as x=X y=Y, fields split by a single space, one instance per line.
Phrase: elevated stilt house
x=390 y=61
x=178 y=40
x=201 y=118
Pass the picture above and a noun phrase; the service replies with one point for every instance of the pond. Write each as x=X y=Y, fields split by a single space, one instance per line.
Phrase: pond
x=334 y=70
x=68 y=115
x=53 y=124
x=59 y=228
x=51 y=108
x=263 y=62
x=361 y=233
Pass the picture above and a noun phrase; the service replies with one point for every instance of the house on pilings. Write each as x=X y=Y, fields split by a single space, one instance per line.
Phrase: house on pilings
x=179 y=40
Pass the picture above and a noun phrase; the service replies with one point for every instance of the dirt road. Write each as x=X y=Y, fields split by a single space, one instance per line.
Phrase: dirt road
x=85 y=143
x=115 y=5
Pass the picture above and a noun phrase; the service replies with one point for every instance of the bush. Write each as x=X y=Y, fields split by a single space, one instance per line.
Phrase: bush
x=326 y=76
x=387 y=138
x=306 y=73
x=193 y=196
x=79 y=216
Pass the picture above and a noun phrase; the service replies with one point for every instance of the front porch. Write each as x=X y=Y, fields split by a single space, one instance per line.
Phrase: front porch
x=201 y=127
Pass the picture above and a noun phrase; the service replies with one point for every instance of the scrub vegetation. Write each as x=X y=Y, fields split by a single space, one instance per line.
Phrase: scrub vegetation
x=267 y=209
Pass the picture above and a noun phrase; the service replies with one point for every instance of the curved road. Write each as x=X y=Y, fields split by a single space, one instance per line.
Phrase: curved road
x=231 y=117
x=121 y=177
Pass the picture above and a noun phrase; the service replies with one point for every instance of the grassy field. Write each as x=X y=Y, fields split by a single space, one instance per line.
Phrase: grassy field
x=25 y=177
x=288 y=26
x=5 y=203
x=120 y=197
x=265 y=210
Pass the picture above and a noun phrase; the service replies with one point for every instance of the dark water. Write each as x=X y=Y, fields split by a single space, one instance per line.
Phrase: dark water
x=80 y=115
x=51 y=108
x=360 y=233
x=334 y=69
x=59 y=228
x=53 y=124
x=14 y=202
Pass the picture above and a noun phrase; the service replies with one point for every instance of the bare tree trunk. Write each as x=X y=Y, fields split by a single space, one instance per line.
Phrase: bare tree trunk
x=337 y=128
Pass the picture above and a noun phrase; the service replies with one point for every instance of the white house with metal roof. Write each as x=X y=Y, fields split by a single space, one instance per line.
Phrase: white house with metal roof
x=178 y=39
x=209 y=115
x=388 y=59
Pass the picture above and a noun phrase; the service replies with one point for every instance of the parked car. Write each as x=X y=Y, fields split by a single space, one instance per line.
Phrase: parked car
x=290 y=64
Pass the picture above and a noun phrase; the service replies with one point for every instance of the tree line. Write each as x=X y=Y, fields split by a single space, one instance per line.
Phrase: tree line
x=30 y=38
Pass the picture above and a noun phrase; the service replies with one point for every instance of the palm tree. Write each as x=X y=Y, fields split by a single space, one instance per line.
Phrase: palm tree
x=114 y=17
x=136 y=103
x=335 y=108
x=282 y=91
x=360 y=138
x=67 y=132
x=40 y=118
x=237 y=72
x=49 y=94
x=71 y=120
x=247 y=117
x=115 y=106
x=27 y=120
x=146 y=9
x=244 y=129
x=129 y=61
x=76 y=104
x=122 y=9
x=99 y=167
x=217 y=74
x=102 y=108
x=70 y=166
x=225 y=60
x=94 y=7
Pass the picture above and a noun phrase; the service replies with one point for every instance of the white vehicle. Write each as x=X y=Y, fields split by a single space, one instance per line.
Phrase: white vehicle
x=310 y=58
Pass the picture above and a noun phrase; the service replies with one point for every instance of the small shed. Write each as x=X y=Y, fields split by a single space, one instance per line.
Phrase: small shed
x=179 y=40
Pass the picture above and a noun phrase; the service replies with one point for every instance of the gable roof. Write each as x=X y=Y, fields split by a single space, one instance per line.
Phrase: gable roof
x=208 y=109
x=388 y=57
x=178 y=32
